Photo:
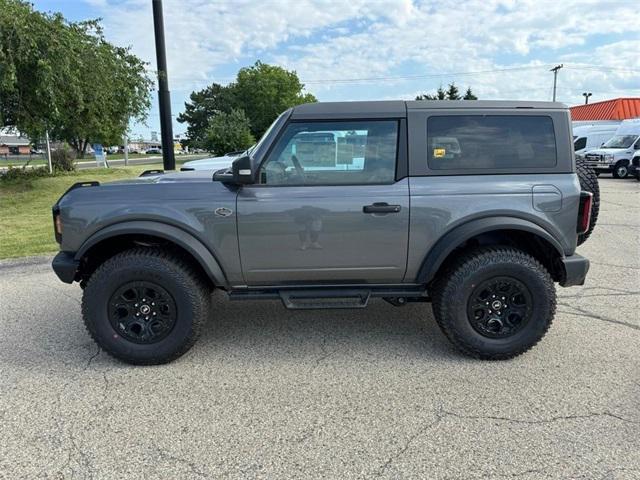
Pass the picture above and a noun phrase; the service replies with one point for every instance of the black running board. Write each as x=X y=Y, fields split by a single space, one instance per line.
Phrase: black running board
x=329 y=298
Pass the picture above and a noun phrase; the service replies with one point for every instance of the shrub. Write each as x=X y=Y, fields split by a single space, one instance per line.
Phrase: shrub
x=63 y=160
x=17 y=174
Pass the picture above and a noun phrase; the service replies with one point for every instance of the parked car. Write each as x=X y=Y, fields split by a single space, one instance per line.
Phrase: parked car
x=634 y=168
x=482 y=234
x=153 y=151
x=212 y=163
x=589 y=137
x=616 y=153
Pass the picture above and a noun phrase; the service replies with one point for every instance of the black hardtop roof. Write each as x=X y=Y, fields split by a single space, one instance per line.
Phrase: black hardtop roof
x=398 y=108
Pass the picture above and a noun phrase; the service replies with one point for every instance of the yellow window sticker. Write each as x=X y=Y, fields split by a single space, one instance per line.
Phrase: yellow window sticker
x=439 y=152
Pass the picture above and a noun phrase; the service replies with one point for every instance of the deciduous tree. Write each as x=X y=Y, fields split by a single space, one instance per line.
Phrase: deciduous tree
x=66 y=78
x=261 y=91
x=228 y=132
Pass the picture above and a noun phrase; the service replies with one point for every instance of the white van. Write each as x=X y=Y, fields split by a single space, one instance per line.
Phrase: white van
x=616 y=153
x=588 y=137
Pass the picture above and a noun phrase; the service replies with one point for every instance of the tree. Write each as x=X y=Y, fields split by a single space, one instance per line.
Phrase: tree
x=452 y=93
x=265 y=91
x=203 y=106
x=440 y=95
x=228 y=132
x=262 y=91
x=468 y=95
x=66 y=78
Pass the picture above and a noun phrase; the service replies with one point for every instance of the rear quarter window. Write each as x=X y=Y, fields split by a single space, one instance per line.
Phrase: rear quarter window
x=490 y=142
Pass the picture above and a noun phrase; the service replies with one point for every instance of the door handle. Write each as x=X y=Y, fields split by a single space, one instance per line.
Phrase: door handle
x=381 y=207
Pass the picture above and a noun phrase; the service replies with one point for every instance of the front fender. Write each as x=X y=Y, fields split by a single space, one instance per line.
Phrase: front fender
x=460 y=234
x=167 y=232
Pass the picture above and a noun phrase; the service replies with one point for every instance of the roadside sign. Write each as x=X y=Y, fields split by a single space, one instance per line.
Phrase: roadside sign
x=99 y=153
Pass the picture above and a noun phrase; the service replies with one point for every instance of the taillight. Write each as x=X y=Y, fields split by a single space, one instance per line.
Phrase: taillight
x=57 y=224
x=584 y=211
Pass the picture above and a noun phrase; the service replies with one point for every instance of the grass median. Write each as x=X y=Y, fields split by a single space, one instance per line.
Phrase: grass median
x=26 y=227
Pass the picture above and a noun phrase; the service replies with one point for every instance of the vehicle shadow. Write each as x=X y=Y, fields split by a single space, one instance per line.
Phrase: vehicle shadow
x=265 y=329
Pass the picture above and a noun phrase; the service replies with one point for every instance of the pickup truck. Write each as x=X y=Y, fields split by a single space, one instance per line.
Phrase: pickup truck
x=474 y=206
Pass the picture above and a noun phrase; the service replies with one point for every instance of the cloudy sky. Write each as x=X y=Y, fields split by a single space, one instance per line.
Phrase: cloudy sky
x=385 y=49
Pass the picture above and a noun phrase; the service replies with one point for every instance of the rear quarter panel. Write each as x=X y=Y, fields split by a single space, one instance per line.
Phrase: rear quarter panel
x=440 y=204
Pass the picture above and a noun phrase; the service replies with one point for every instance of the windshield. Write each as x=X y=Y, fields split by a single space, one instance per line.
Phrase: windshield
x=264 y=136
x=620 y=141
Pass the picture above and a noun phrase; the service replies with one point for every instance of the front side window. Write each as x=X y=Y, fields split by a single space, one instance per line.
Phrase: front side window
x=333 y=153
x=580 y=143
x=482 y=142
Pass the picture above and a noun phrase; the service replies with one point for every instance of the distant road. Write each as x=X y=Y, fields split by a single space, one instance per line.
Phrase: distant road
x=151 y=159
x=84 y=164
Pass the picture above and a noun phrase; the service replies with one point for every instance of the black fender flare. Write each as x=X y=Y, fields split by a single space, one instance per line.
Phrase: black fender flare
x=167 y=232
x=460 y=234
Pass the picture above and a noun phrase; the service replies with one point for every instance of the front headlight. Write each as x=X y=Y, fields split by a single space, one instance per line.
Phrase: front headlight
x=608 y=157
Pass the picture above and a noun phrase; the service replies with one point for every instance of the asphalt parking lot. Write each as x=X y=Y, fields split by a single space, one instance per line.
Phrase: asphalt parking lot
x=375 y=393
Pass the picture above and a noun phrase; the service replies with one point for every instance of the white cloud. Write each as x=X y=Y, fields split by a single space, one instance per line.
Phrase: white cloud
x=327 y=39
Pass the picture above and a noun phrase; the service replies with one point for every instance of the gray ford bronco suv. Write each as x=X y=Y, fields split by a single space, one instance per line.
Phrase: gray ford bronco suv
x=476 y=207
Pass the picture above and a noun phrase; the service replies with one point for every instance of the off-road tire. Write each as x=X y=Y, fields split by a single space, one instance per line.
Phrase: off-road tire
x=589 y=183
x=189 y=291
x=620 y=166
x=453 y=288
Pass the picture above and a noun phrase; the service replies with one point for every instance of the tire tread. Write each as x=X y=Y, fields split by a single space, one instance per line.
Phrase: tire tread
x=183 y=272
x=466 y=265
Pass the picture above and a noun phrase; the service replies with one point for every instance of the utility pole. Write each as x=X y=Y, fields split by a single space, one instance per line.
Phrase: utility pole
x=126 y=150
x=48 y=151
x=555 y=78
x=586 y=97
x=164 y=98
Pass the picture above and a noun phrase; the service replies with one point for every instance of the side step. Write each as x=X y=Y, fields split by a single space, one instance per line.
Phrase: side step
x=309 y=300
x=332 y=298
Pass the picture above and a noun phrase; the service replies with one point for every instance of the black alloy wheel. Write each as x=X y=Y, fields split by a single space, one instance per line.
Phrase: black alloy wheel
x=499 y=307
x=142 y=312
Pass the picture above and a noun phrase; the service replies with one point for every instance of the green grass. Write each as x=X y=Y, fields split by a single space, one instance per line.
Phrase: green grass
x=26 y=226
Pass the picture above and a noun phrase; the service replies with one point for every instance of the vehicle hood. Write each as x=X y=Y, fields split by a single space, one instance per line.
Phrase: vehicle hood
x=607 y=151
x=172 y=177
x=213 y=163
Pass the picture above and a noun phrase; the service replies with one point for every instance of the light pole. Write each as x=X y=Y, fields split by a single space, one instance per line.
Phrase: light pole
x=586 y=97
x=164 y=98
x=555 y=78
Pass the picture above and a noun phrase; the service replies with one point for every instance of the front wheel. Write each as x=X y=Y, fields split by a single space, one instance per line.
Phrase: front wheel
x=145 y=306
x=494 y=303
x=620 y=170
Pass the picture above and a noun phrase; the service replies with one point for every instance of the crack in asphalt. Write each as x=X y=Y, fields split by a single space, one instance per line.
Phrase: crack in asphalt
x=442 y=414
x=192 y=466
x=632 y=267
x=587 y=313
x=618 y=294
x=382 y=468
x=91 y=358
x=608 y=473
x=543 y=420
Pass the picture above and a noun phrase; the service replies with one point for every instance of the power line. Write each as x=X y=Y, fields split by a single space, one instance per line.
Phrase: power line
x=586 y=67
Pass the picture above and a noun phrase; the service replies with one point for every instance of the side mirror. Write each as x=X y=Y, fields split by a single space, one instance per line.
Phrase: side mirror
x=242 y=171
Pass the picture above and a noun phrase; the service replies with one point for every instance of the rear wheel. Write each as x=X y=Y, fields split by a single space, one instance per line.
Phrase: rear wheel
x=145 y=306
x=589 y=183
x=494 y=303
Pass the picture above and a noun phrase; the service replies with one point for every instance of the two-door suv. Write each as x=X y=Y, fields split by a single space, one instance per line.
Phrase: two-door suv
x=474 y=206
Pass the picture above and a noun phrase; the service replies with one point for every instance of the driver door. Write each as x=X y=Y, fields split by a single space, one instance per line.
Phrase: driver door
x=328 y=208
